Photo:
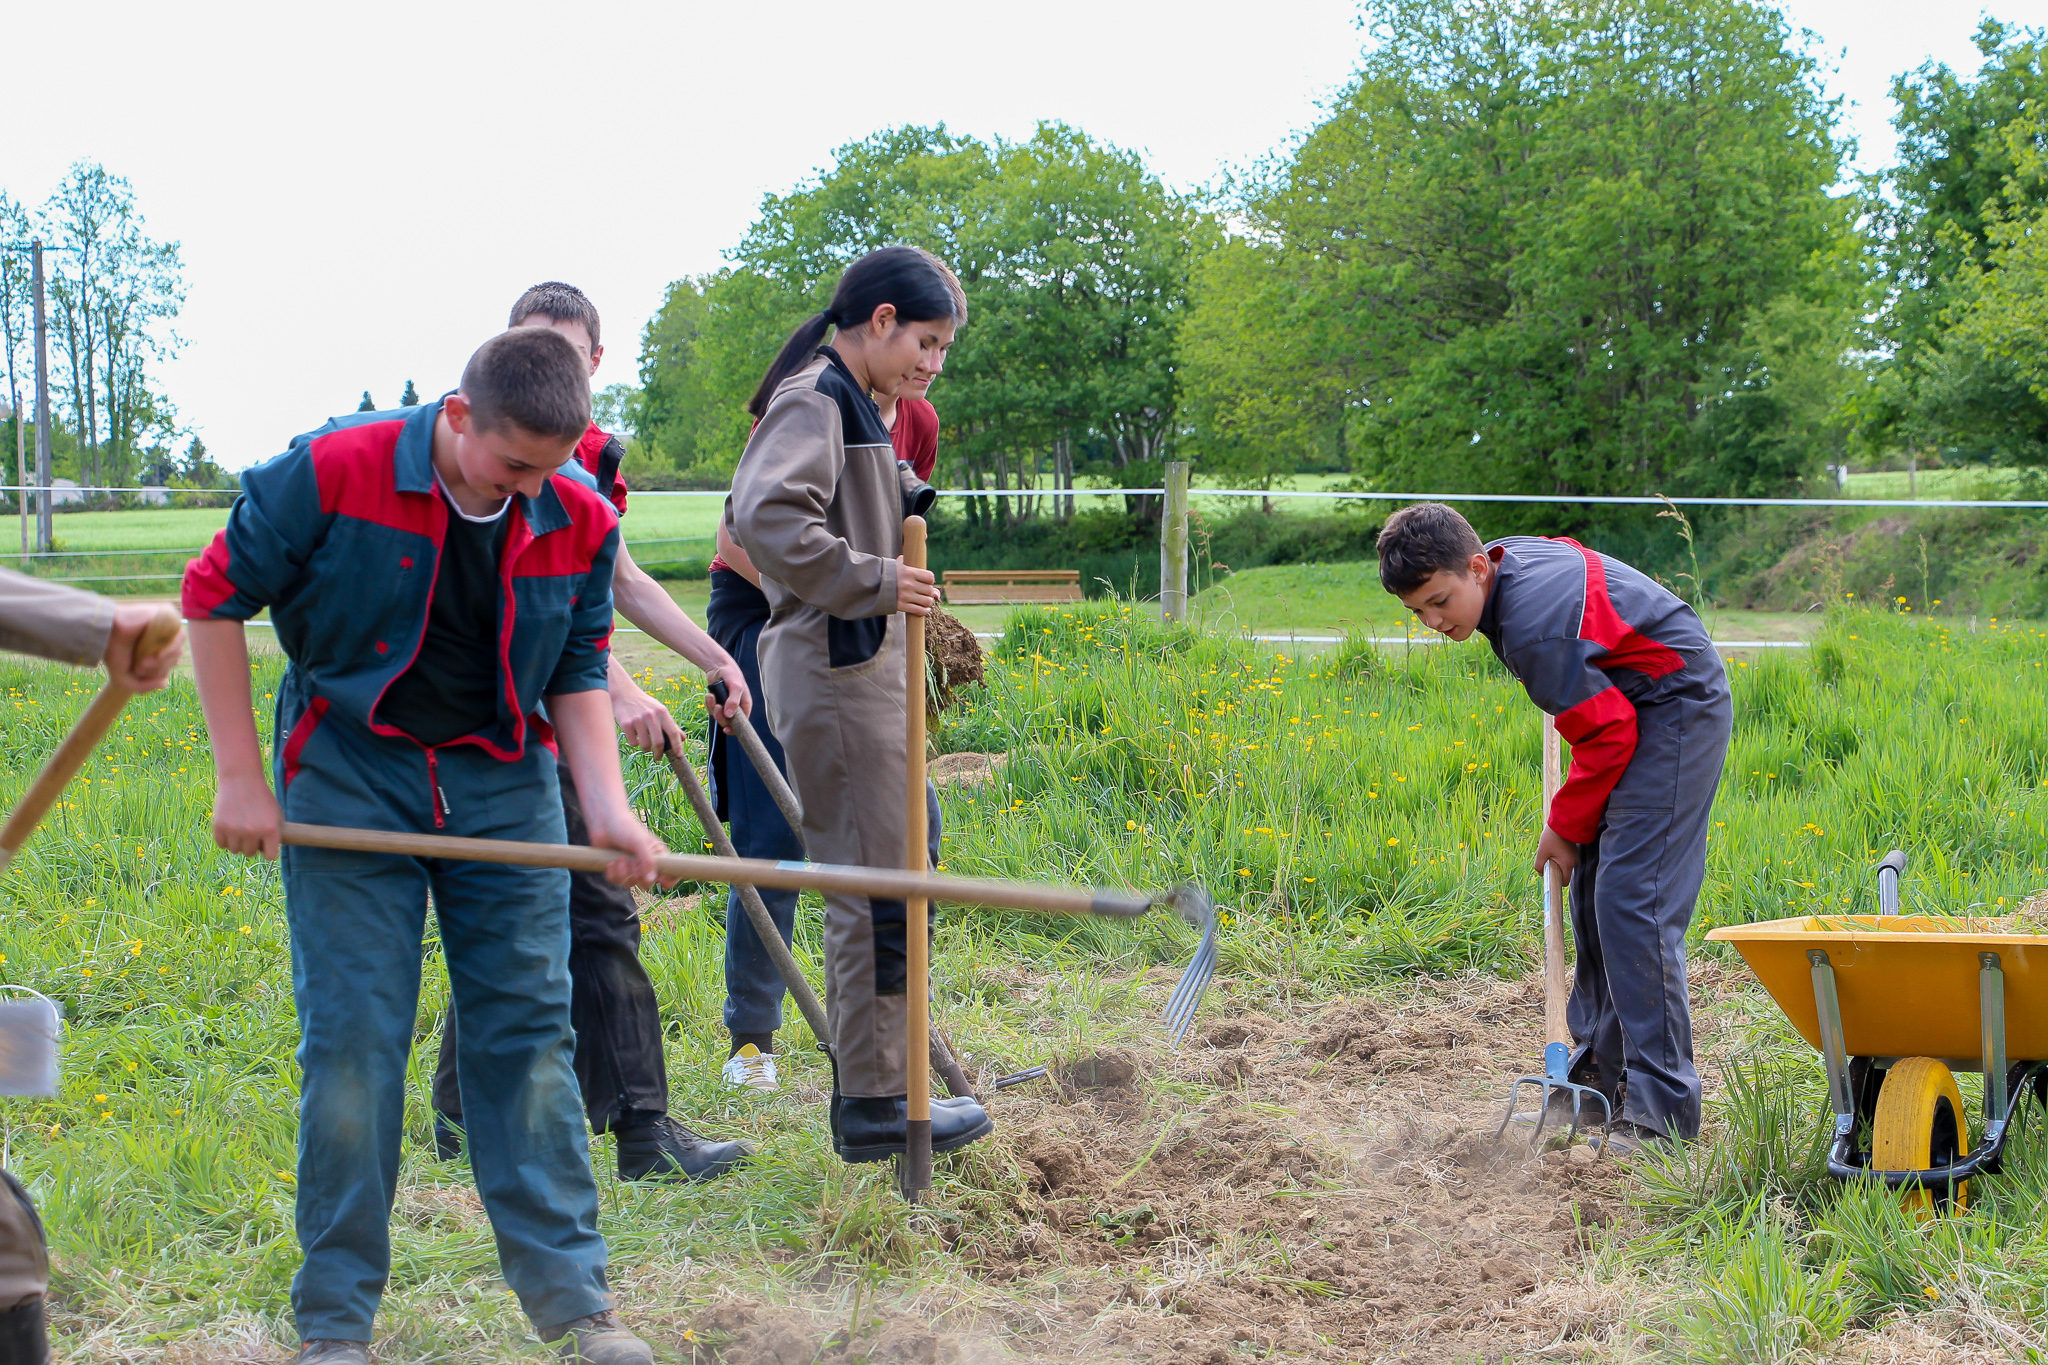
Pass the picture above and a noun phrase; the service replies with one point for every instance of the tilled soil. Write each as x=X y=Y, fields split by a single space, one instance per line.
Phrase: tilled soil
x=1324 y=1186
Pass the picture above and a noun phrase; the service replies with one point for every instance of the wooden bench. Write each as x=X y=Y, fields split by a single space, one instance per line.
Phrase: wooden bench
x=1000 y=587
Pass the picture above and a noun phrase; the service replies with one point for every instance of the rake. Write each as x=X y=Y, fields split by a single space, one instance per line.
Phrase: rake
x=1557 y=1050
x=1189 y=901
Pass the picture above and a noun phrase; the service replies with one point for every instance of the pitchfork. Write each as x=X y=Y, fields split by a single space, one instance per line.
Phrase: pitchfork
x=1557 y=1047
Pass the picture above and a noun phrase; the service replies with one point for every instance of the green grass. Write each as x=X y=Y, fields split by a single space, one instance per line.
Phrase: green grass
x=1362 y=815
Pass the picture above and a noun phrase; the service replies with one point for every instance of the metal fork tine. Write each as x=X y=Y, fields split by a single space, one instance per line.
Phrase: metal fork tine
x=1177 y=1027
x=1179 y=1015
x=1194 y=984
x=1177 y=1002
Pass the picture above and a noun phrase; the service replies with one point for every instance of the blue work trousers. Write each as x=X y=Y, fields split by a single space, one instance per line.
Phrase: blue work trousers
x=753 y=988
x=357 y=922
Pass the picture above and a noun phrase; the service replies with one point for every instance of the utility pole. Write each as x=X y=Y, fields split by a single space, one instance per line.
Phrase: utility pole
x=35 y=249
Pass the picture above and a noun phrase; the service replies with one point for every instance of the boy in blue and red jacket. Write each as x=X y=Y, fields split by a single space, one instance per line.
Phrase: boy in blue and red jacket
x=1636 y=688
x=433 y=582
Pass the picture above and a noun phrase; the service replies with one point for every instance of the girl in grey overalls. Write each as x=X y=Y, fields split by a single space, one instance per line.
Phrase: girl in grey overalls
x=818 y=504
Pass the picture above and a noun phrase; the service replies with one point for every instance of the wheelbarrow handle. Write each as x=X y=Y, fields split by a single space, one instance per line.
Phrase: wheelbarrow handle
x=1888 y=873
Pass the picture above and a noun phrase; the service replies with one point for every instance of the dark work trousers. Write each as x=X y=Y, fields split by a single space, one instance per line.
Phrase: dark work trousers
x=1632 y=900
x=753 y=988
x=619 y=1063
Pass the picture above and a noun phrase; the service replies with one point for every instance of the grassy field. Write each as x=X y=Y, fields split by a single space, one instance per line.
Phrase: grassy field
x=1365 y=815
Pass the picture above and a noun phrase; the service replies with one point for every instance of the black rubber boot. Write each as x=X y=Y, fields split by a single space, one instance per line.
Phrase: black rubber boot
x=24 y=1340
x=447 y=1137
x=666 y=1150
x=876 y=1129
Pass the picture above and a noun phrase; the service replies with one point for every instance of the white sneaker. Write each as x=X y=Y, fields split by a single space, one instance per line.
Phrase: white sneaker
x=752 y=1068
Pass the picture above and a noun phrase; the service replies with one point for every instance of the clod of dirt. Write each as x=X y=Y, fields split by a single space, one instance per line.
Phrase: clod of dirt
x=1241 y=1029
x=1353 y=1030
x=953 y=655
x=1111 y=1069
x=964 y=770
x=1053 y=1165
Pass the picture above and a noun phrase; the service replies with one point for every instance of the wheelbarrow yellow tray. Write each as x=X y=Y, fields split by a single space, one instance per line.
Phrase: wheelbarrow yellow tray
x=1895 y=1005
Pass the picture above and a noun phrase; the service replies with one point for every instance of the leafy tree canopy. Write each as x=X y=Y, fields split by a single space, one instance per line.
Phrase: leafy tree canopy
x=1529 y=248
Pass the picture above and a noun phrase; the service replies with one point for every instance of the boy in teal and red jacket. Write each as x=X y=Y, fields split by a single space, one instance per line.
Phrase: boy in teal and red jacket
x=433 y=583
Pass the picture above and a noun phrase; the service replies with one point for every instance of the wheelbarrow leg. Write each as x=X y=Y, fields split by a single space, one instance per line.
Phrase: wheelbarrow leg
x=1991 y=999
x=1833 y=1054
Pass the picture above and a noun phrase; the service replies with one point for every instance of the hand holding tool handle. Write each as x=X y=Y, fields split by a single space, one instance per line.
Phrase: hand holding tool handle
x=86 y=733
x=757 y=754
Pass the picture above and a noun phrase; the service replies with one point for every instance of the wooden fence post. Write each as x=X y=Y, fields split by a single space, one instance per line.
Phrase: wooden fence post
x=1173 y=544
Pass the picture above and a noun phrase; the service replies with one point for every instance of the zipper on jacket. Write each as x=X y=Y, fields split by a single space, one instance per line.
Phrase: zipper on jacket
x=438 y=797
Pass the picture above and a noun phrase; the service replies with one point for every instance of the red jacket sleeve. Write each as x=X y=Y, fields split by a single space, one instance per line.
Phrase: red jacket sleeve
x=1602 y=733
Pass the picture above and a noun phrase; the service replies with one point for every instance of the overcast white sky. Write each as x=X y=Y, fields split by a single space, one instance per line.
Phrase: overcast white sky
x=361 y=190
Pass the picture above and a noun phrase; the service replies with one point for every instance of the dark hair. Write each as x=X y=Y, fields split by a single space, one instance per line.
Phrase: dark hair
x=531 y=378
x=1421 y=540
x=913 y=279
x=557 y=302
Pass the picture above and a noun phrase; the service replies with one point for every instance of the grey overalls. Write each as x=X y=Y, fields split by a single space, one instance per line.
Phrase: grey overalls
x=818 y=505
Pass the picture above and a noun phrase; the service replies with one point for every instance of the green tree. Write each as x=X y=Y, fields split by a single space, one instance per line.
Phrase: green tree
x=410 y=398
x=1075 y=260
x=368 y=404
x=1969 y=175
x=1525 y=251
x=110 y=297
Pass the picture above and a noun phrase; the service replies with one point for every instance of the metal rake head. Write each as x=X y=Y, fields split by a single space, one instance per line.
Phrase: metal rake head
x=1193 y=904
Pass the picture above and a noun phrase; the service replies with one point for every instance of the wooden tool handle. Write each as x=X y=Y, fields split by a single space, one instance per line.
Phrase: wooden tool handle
x=807 y=1003
x=917 y=1157
x=888 y=883
x=77 y=746
x=1555 y=989
x=764 y=764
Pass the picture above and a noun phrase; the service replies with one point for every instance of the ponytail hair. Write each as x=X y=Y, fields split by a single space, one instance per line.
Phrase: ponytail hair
x=917 y=282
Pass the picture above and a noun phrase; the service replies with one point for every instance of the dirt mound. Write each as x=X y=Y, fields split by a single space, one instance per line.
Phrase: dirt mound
x=952 y=654
x=1340 y=1198
x=964 y=770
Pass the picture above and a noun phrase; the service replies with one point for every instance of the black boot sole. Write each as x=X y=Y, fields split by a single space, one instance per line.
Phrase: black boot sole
x=882 y=1151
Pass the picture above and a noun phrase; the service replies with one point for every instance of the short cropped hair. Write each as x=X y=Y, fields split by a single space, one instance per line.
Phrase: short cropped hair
x=558 y=302
x=531 y=378
x=952 y=286
x=1421 y=540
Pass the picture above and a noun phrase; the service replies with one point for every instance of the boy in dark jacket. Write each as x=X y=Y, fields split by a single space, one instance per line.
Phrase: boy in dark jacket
x=433 y=582
x=1636 y=688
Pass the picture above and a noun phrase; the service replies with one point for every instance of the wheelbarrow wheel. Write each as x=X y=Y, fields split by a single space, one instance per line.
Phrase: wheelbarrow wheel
x=1920 y=1124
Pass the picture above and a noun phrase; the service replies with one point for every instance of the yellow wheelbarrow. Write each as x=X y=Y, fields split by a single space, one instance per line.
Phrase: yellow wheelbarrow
x=1896 y=1004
